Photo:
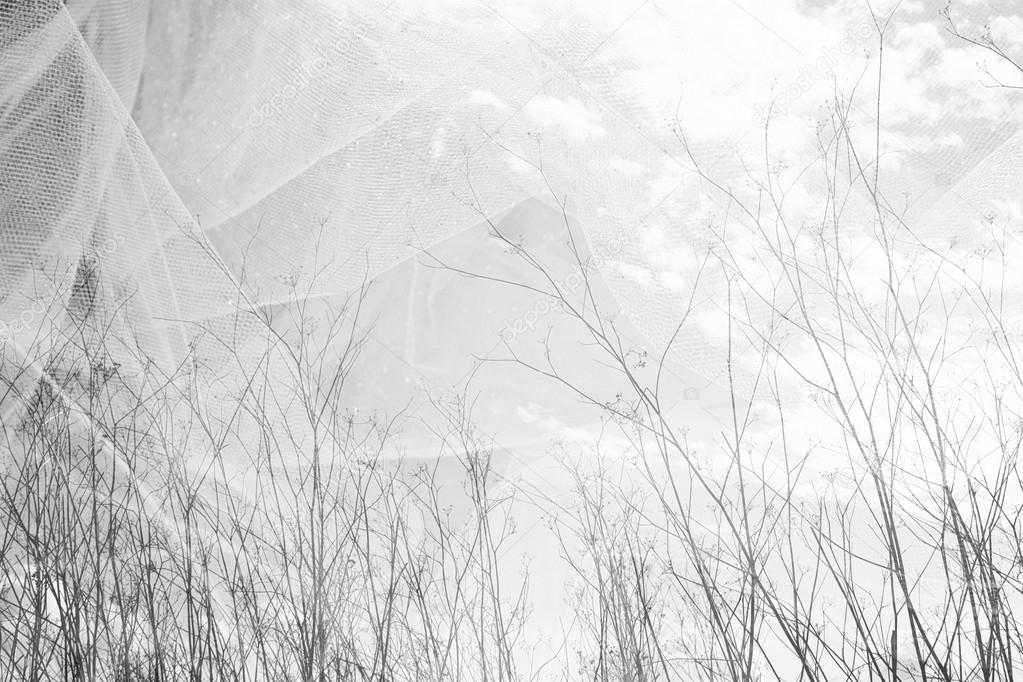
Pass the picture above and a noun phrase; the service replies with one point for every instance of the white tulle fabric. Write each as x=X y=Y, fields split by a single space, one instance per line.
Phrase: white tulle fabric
x=206 y=157
x=209 y=156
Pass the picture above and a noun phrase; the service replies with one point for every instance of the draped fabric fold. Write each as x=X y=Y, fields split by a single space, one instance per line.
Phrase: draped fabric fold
x=198 y=157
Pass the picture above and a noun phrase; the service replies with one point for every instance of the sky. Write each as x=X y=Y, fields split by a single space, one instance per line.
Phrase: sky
x=412 y=126
x=726 y=70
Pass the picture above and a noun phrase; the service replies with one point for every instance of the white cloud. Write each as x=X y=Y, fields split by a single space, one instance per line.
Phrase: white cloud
x=572 y=119
x=636 y=273
x=1008 y=31
x=529 y=413
x=487 y=98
